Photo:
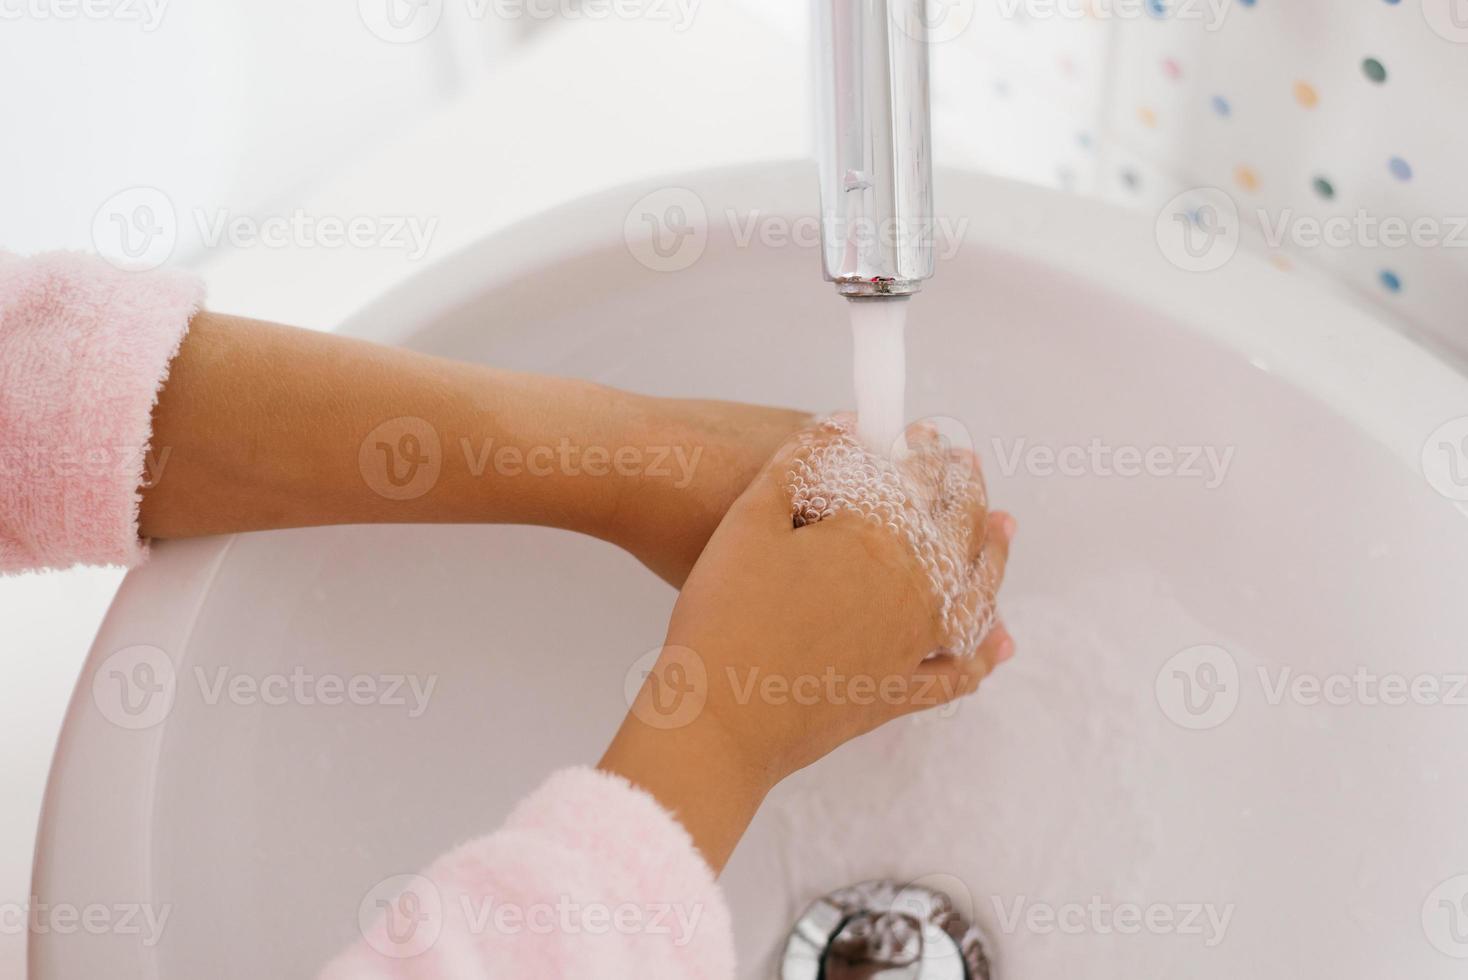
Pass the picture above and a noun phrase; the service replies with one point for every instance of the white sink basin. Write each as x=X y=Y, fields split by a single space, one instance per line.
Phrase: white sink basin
x=1078 y=781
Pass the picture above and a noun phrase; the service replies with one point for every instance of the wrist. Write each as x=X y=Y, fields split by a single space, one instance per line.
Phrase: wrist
x=699 y=772
x=664 y=507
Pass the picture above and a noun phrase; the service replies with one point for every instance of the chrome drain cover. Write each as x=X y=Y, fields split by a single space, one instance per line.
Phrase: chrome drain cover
x=884 y=930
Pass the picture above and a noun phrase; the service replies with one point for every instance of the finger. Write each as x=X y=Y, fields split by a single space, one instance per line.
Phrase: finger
x=964 y=491
x=946 y=678
x=997 y=647
x=991 y=542
x=984 y=578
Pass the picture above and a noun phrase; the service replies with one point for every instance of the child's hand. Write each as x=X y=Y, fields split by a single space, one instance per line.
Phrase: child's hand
x=714 y=449
x=796 y=640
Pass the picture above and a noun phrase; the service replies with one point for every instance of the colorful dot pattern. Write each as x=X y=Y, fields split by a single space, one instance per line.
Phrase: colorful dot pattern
x=1266 y=130
x=1305 y=95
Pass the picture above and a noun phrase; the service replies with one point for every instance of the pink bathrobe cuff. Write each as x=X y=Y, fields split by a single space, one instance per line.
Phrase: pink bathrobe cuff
x=84 y=349
x=589 y=877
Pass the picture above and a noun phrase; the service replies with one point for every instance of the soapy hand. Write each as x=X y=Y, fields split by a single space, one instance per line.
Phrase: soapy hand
x=810 y=627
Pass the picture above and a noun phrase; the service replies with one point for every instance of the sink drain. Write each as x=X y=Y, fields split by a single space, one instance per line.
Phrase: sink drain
x=883 y=930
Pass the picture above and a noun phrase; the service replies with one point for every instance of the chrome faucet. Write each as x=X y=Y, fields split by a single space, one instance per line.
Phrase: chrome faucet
x=875 y=146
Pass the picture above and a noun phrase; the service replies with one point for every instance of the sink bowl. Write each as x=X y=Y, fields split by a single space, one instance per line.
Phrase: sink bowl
x=1228 y=496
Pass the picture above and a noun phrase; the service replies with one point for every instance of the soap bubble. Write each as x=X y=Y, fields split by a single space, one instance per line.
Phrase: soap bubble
x=927 y=492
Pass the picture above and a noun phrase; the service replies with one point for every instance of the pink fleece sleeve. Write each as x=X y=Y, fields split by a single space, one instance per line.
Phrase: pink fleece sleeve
x=589 y=877
x=84 y=349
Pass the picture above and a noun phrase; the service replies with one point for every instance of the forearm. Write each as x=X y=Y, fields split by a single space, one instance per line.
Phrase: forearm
x=261 y=426
x=696 y=772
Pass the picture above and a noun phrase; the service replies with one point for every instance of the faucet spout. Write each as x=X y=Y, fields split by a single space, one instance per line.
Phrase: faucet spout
x=875 y=146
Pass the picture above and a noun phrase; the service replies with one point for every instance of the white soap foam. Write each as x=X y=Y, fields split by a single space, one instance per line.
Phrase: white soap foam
x=928 y=495
x=879 y=368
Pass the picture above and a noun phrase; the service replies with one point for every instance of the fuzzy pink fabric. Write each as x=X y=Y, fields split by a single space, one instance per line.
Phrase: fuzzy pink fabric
x=84 y=349
x=589 y=877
